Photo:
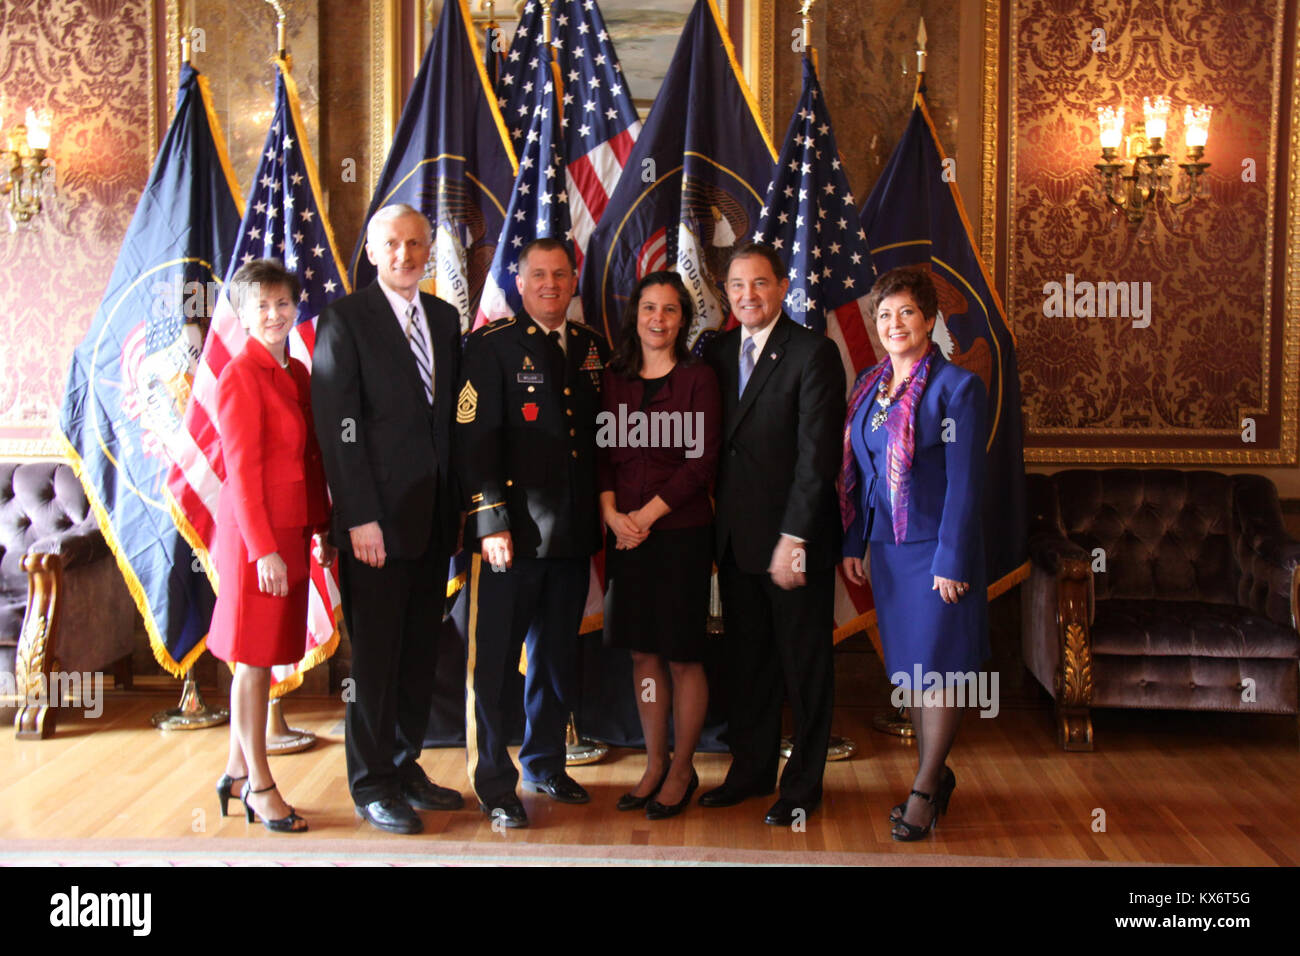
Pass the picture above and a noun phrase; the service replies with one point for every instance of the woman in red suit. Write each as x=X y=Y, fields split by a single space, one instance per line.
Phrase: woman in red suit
x=272 y=511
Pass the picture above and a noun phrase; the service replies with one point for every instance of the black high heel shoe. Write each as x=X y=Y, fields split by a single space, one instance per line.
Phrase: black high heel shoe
x=225 y=790
x=657 y=811
x=282 y=825
x=947 y=784
x=910 y=831
x=630 y=801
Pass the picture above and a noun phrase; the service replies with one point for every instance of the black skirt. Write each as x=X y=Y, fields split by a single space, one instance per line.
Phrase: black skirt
x=657 y=594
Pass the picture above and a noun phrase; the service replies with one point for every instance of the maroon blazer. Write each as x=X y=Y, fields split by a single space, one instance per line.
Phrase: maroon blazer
x=681 y=475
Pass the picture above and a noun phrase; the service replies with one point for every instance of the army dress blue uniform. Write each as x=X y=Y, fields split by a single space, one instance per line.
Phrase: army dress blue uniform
x=526 y=444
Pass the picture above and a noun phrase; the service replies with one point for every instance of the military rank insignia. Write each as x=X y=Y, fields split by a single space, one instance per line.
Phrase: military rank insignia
x=467 y=404
x=592 y=362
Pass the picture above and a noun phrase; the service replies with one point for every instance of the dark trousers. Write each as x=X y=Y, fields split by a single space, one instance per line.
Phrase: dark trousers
x=778 y=641
x=537 y=603
x=393 y=615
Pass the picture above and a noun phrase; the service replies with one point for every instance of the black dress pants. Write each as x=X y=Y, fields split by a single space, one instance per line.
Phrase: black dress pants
x=778 y=644
x=393 y=615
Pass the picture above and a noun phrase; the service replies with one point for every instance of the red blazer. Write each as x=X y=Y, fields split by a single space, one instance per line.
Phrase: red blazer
x=274 y=475
x=637 y=474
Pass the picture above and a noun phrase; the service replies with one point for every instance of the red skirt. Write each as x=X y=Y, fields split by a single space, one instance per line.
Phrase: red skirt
x=249 y=627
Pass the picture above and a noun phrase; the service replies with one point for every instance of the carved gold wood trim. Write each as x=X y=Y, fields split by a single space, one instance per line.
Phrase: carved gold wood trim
x=1073 y=678
x=1288 y=450
x=989 y=144
x=385 y=46
x=171 y=55
x=765 y=60
x=37 y=714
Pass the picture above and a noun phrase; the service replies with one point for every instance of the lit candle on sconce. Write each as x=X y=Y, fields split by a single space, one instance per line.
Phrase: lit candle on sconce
x=38 y=129
x=1156 y=114
x=1196 y=127
x=1110 y=123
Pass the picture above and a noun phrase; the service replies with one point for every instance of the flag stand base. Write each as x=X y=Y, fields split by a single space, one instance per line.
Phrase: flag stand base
x=841 y=748
x=894 y=722
x=191 y=713
x=581 y=750
x=280 y=737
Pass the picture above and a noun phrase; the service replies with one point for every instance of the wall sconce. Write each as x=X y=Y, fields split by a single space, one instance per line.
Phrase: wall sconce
x=1137 y=187
x=26 y=171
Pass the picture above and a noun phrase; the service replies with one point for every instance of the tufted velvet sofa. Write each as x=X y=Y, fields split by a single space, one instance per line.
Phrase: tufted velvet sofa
x=63 y=603
x=1159 y=589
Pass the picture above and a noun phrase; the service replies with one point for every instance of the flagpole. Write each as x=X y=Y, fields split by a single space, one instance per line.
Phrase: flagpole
x=898 y=722
x=280 y=737
x=192 y=711
x=920 y=58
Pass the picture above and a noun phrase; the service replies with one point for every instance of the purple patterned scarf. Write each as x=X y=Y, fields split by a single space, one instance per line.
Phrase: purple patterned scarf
x=900 y=446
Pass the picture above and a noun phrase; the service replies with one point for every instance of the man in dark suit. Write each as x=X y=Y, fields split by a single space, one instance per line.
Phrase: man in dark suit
x=778 y=536
x=526 y=440
x=385 y=366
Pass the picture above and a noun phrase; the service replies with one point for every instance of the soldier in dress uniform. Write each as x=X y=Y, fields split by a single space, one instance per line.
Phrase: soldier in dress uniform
x=526 y=442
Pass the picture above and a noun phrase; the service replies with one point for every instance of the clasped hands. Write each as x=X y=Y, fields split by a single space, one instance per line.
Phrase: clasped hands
x=630 y=530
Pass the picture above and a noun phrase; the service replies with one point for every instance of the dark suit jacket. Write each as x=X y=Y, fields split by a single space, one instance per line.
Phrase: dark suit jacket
x=526 y=442
x=387 y=453
x=781 y=447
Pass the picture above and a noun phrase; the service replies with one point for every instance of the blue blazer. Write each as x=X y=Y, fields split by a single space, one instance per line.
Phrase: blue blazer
x=947 y=501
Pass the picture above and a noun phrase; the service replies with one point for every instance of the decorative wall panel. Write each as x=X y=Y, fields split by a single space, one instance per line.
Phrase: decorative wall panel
x=89 y=63
x=1212 y=377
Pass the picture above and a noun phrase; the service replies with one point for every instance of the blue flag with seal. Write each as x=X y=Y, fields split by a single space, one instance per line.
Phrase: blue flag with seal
x=451 y=159
x=692 y=187
x=131 y=376
x=915 y=217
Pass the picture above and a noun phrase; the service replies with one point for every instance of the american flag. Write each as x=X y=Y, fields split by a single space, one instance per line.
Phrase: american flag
x=809 y=217
x=283 y=220
x=600 y=123
x=539 y=202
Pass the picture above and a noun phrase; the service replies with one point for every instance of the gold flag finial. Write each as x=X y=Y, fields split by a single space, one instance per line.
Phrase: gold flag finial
x=185 y=48
x=805 y=6
x=920 y=47
x=281 y=50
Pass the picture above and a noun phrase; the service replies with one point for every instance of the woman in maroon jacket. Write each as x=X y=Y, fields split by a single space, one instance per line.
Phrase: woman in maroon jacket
x=272 y=510
x=658 y=453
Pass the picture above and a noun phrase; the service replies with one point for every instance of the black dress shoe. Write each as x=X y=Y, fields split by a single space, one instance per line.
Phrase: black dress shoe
x=424 y=794
x=728 y=796
x=507 y=809
x=785 y=812
x=630 y=801
x=559 y=786
x=657 y=811
x=391 y=814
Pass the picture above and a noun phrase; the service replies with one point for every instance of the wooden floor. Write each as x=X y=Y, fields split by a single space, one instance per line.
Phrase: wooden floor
x=1169 y=788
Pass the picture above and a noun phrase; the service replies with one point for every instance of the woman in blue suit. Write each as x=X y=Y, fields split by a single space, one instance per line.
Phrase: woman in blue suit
x=911 y=487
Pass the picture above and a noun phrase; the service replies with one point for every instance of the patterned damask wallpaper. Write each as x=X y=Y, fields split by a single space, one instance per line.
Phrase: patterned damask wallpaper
x=88 y=63
x=1186 y=381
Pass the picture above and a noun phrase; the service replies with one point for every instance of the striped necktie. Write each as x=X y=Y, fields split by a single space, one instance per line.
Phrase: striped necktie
x=421 y=352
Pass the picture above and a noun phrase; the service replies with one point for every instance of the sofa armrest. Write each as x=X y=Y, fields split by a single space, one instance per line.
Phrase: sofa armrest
x=1268 y=558
x=79 y=545
x=1049 y=550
